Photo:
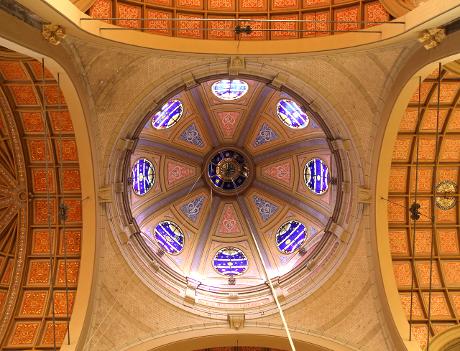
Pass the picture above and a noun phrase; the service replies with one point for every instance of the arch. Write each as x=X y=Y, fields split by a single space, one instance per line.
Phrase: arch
x=261 y=336
x=88 y=208
x=449 y=340
x=420 y=65
x=423 y=17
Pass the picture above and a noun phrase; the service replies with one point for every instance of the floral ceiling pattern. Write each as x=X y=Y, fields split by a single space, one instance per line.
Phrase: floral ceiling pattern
x=308 y=18
x=412 y=260
x=39 y=170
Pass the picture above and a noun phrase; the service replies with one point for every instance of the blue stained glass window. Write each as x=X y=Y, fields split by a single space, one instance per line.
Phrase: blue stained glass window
x=230 y=261
x=290 y=236
x=170 y=237
x=316 y=176
x=228 y=170
x=169 y=115
x=227 y=89
x=143 y=174
x=291 y=114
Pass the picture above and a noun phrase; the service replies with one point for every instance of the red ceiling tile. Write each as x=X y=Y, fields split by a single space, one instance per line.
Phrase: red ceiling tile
x=61 y=121
x=39 y=180
x=188 y=28
x=284 y=30
x=215 y=28
x=128 y=11
x=161 y=25
x=12 y=70
x=32 y=122
x=24 y=95
x=33 y=303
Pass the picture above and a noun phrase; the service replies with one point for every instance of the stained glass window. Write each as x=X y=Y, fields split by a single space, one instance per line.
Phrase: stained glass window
x=290 y=236
x=291 y=114
x=316 y=176
x=170 y=237
x=445 y=194
x=230 y=261
x=228 y=170
x=143 y=174
x=169 y=115
x=227 y=89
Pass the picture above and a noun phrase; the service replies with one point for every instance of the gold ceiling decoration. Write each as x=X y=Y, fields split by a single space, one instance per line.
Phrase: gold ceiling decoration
x=411 y=262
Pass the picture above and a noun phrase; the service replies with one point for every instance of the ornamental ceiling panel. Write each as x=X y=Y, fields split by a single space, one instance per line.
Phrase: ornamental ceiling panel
x=39 y=172
x=432 y=243
x=210 y=19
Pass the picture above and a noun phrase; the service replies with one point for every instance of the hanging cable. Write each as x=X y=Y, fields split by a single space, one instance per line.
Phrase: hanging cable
x=414 y=210
x=270 y=283
x=63 y=207
x=433 y=206
x=51 y=237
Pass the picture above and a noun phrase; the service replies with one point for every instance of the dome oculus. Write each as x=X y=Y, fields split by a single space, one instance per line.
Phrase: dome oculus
x=143 y=175
x=169 y=115
x=291 y=114
x=316 y=176
x=290 y=236
x=228 y=170
x=227 y=89
x=230 y=261
x=170 y=237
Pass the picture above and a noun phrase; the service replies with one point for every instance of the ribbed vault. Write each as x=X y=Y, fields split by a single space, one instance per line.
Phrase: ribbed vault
x=39 y=170
x=412 y=263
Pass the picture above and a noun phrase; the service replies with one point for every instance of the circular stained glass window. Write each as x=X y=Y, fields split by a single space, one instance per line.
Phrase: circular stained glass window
x=316 y=176
x=291 y=114
x=143 y=174
x=170 y=237
x=290 y=236
x=169 y=115
x=230 y=261
x=228 y=170
x=227 y=89
x=445 y=194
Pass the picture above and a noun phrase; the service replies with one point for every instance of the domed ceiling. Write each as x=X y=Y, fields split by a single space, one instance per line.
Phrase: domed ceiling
x=437 y=228
x=232 y=181
x=212 y=19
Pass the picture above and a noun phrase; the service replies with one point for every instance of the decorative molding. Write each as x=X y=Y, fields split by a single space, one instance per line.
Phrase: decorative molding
x=364 y=195
x=189 y=80
x=340 y=232
x=104 y=194
x=190 y=291
x=125 y=144
x=341 y=144
x=53 y=33
x=280 y=80
x=431 y=38
x=236 y=321
x=235 y=65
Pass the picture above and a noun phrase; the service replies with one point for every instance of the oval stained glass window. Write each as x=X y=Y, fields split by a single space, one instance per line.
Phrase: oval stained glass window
x=291 y=114
x=227 y=89
x=169 y=115
x=170 y=237
x=316 y=176
x=290 y=237
x=143 y=174
x=230 y=261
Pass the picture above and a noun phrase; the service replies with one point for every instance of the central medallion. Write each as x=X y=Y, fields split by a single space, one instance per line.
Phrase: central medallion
x=228 y=170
